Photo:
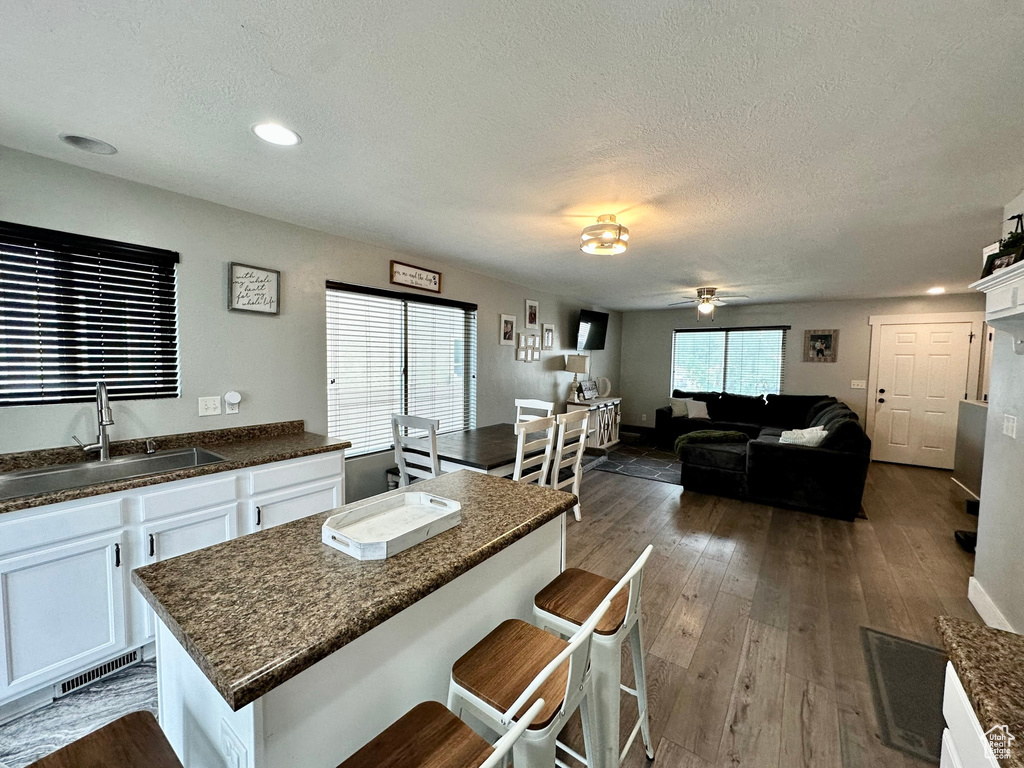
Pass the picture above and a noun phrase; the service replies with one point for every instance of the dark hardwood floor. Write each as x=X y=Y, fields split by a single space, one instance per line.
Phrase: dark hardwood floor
x=752 y=613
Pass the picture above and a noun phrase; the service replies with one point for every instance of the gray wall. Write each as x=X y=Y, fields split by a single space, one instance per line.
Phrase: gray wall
x=647 y=345
x=999 y=562
x=277 y=363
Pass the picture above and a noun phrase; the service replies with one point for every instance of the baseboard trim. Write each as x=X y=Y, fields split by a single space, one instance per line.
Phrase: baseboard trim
x=985 y=607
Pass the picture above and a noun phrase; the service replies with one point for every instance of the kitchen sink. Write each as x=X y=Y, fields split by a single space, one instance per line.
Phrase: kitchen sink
x=29 y=482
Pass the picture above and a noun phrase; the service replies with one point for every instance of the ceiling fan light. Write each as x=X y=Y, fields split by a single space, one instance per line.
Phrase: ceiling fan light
x=705 y=307
x=606 y=237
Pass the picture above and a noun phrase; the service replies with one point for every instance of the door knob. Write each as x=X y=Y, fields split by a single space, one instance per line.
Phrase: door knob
x=881 y=399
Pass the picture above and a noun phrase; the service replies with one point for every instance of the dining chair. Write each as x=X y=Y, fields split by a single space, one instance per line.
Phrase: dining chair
x=413 y=465
x=569 y=448
x=525 y=404
x=528 y=452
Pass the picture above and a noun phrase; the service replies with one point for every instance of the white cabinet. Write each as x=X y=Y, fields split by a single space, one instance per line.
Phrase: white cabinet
x=964 y=744
x=66 y=599
x=603 y=423
x=62 y=610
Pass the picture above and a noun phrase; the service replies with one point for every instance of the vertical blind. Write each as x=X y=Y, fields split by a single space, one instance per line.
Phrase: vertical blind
x=75 y=310
x=742 y=361
x=390 y=353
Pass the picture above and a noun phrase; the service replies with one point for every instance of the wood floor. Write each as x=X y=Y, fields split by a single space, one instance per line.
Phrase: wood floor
x=752 y=613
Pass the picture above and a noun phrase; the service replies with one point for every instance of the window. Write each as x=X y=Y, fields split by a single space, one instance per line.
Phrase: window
x=743 y=361
x=76 y=310
x=390 y=352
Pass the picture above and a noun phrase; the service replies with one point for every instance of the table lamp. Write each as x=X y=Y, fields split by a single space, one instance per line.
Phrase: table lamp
x=576 y=364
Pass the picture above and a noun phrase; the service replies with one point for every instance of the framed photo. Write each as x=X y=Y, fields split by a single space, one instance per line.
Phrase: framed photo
x=821 y=346
x=254 y=289
x=1002 y=259
x=415 y=277
x=522 y=340
x=532 y=313
x=535 y=354
x=531 y=341
x=522 y=355
x=547 y=336
x=507 y=331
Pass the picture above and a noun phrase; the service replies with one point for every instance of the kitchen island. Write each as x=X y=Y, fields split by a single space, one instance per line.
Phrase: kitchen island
x=277 y=650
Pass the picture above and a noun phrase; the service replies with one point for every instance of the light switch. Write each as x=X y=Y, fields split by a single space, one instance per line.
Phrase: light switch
x=1010 y=425
x=858 y=384
x=209 y=406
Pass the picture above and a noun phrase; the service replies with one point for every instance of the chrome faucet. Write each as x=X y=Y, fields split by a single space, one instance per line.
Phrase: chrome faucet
x=104 y=419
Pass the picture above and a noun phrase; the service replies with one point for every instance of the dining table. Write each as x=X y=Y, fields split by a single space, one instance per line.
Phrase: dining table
x=490 y=449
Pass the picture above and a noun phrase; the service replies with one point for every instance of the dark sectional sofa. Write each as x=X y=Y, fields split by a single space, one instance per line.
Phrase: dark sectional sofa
x=827 y=479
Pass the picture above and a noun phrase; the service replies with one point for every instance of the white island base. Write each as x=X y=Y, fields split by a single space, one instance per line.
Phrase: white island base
x=322 y=715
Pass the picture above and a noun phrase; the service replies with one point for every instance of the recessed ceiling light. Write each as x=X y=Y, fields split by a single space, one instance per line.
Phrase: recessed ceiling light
x=276 y=134
x=87 y=144
x=936 y=290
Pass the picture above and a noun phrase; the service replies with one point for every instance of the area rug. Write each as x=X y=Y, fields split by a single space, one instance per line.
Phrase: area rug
x=906 y=684
x=642 y=461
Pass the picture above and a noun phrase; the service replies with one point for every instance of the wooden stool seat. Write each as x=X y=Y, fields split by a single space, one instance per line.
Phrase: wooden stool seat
x=501 y=666
x=427 y=736
x=133 y=741
x=575 y=594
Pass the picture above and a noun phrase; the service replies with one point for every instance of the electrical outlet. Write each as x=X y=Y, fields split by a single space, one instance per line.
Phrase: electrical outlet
x=1010 y=425
x=858 y=384
x=209 y=406
x=643 y=417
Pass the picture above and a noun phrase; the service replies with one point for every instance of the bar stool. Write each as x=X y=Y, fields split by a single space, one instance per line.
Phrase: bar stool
x=496 y=678
x=132 y=741
x=430 y=736
x=563 y=605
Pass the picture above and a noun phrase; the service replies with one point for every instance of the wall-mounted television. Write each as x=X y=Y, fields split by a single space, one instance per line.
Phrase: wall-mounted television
x=592 y=330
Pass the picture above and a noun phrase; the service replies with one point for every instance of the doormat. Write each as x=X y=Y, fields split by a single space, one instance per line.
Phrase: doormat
x=906 y=679
x=643 y=461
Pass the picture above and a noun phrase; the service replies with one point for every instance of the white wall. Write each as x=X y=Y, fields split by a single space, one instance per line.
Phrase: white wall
x=277 y=363
x=999 y=564
x=647 y=345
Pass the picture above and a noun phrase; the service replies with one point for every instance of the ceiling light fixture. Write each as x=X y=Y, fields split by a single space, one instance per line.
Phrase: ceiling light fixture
x=87 y=144
x=605 y=237
x=276 y=134
x=936 y=290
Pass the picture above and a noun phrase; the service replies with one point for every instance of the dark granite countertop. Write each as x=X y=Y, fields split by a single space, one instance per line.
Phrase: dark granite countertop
x=256 y=611
x=240 y=447
x=990 y=665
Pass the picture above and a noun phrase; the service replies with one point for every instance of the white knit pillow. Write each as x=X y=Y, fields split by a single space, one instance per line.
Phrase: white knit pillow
x=812 y=437
x=678 y=407
x=696 y=409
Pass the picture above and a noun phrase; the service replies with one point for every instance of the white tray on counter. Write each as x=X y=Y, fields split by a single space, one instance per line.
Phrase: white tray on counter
x=378 y=529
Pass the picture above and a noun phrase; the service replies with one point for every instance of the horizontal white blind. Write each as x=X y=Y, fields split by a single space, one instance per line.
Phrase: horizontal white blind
x=390 y=355
x=76 y=310
x=698 y=361
x=749 y=361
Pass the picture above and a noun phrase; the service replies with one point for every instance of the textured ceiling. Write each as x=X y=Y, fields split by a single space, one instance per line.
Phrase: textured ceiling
x=790 y=149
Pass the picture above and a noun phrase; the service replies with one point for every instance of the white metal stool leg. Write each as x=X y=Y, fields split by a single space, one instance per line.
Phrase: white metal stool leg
x=606 y=674
x=636 y=644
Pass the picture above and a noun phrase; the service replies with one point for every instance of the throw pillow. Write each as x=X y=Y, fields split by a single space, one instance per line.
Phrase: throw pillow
x=678 y=407
x=695 y=409
x=812 y=437
x=710 y=436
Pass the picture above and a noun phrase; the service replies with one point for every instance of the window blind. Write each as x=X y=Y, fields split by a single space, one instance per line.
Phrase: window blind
x=391 y=353
x=75 y=310
x=742 y=361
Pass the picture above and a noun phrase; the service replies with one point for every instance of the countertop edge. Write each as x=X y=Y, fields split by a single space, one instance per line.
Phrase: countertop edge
x=252 y=688
x=85 y=492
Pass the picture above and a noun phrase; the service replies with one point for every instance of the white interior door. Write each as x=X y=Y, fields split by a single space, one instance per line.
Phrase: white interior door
x=922 y=377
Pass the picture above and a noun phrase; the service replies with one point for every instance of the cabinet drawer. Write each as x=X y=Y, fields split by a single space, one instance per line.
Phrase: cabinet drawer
x=294 y=503
x=970 y=745
x=188 y=498
x=47 y=528
x=323 y=467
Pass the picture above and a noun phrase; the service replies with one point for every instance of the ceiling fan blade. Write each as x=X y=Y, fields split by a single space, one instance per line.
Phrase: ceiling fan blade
x=690 y=302
x=729 y=297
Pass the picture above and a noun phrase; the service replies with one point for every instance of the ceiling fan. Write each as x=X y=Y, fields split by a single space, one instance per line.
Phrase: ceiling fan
x=706 y=301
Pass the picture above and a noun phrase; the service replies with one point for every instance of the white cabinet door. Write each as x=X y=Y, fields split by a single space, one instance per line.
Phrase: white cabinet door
x=61 y=610
x=182 y=534
x=272 y=509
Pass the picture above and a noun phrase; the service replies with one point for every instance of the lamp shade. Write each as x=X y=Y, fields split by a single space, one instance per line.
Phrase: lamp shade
x=576 y=363
x=607 y=236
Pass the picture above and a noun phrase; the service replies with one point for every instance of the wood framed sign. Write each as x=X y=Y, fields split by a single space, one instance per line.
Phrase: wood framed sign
x=254 y=289
x=415 y=277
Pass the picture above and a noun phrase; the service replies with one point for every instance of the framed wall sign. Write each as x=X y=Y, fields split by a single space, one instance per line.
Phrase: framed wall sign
x=548 y=336
x=254 y=289
x=415 y=277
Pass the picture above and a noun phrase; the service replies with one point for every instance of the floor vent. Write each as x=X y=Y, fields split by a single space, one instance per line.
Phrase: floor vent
x=94 y=674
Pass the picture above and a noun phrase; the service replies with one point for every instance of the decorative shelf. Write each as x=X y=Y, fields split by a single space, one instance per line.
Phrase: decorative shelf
x=1004 y=302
